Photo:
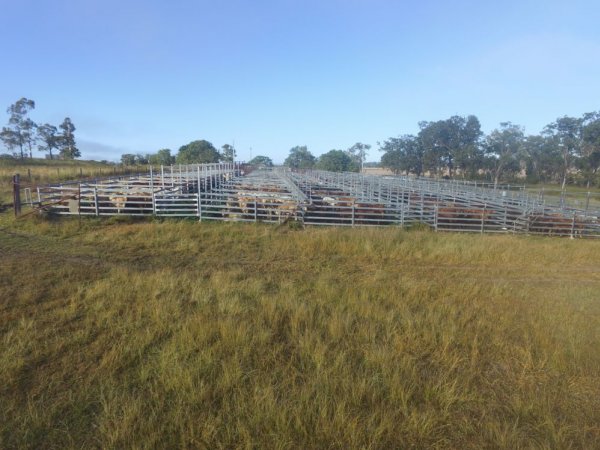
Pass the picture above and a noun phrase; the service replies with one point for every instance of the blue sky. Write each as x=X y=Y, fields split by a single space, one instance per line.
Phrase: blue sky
x=137 y=76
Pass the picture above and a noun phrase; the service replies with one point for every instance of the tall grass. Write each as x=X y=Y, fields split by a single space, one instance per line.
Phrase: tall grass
x=179 y=334
x=43 y=171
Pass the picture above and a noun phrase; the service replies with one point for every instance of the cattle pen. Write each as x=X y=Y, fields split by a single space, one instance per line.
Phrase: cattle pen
x=238 y=192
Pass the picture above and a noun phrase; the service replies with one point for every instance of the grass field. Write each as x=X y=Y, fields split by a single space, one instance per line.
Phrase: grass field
x=125 y=334
x=43 y=171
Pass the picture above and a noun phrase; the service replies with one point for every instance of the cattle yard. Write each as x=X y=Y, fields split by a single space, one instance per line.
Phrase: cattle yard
x=236 y=192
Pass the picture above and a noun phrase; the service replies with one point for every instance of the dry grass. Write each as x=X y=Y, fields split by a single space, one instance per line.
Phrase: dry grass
x=43 y=171
x=172 y=334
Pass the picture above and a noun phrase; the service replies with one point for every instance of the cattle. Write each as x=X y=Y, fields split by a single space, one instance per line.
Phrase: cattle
x=555 y=224
x=127 y=202
x=370 y=214
x=461 y=217
x=118 y=200
x=261 y=206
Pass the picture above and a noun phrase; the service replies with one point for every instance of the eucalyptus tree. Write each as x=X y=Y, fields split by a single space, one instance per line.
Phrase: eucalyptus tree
x=261 y=161
x=10 y=140
x=197 y=152
x=67 y=146
x=452 y=143
x=358 y=153
x=128 y=159
x=403 y=154
x=30 y=134
x=161 y=158
x=566 y=132
x=590 y=146
x=542 y=157
x=504 y=148
x=48 y=138
x=300 y=158
x=336 y=161
x=228 y=153
x=21 y=129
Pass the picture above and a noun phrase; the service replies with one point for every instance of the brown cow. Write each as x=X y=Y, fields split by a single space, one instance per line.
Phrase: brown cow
x=555 y=224
x=451 y=216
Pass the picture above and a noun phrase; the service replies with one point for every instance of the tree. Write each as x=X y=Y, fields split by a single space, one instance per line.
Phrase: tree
x=21 y=129
x=48 y=137
x=504 y=148
x=128 y=159
x=590 y=148
x=542 y=157
x=197 y=152
x=336 y=161
x=261 y=161
x=451 y=143
x=30 y=134
x=142 y=159
x=468 y=155
x=300 y=158
x=566 y=132
x=403 y=154
x=161 y=158
x=228 y=153
x=358 y=153
x=10 y=140
x=67 y=147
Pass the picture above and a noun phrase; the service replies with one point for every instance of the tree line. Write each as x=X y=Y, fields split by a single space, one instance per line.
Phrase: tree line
x=349 y=160
x=567 y=150
x=196 y=152
x=22 y=135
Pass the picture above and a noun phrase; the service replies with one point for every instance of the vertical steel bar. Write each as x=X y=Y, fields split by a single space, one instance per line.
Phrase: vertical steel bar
x=17 y=194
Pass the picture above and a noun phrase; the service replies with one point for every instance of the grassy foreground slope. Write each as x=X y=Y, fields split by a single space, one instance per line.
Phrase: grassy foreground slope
x=180 y=334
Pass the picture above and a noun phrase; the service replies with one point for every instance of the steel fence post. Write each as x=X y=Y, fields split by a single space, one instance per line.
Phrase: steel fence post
x=96 y=201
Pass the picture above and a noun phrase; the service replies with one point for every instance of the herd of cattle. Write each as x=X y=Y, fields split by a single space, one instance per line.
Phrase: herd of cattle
x=277 y=197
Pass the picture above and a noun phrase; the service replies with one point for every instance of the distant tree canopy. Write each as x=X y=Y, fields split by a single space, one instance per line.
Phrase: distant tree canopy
x=161 y=158
x=504 y=148
x=358 y=154
x=403 y=154
x=66 y=142
x=566 y=149
x=197 y=152
x=336 y=161
x=261 y=161
x=228 y=153
x=48 y=138
x=128 y=159
x=300 y=158
x=22 y=134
